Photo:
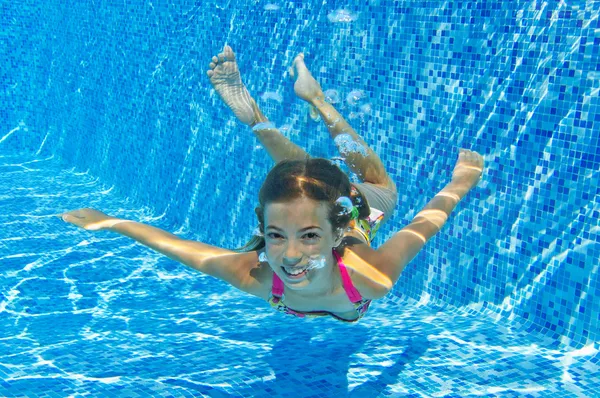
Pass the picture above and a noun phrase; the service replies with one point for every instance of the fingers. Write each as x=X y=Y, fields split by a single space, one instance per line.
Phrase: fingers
x=73 y=216
x=471 y=157
x=469 y=165
x=70 y=217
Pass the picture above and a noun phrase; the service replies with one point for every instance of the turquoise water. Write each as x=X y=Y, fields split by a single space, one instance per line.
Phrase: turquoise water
x=107 y=105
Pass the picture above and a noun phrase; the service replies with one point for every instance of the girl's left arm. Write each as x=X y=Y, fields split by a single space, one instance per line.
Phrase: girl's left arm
x=402 y=247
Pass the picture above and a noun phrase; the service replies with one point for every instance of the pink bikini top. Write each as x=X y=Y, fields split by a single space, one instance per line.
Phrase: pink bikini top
x=361 y=305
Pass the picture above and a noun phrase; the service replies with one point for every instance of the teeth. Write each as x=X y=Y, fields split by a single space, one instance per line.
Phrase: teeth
x=295 y=271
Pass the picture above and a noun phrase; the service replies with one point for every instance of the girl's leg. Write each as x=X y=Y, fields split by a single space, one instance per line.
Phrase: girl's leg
x=361 y=159
x=225 y=77
x=276 y=144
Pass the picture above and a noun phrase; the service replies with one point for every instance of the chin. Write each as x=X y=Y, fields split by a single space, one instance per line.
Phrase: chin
x=297 y=286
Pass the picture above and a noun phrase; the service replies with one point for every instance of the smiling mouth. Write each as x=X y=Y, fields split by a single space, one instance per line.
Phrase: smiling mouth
x=296 y=272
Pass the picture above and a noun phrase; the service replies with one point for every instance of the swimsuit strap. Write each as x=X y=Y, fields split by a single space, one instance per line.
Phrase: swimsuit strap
x=351 y=291
x=277 y=289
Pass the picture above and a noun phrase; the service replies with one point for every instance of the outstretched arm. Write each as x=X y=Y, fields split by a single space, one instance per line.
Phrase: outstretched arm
x=399 y=250
x=224 y=264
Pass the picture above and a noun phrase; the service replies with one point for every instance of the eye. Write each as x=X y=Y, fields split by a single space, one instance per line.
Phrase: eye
x=274 y=235
x=311 y=235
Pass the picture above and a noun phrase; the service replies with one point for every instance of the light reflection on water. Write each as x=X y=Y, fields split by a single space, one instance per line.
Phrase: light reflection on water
x=94 y=312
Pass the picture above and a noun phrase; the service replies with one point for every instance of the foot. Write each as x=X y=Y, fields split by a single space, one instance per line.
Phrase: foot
x=225 y=77
x=305 y=87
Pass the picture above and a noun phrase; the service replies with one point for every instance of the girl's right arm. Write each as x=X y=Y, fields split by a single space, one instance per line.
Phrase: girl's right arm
x=232 y=267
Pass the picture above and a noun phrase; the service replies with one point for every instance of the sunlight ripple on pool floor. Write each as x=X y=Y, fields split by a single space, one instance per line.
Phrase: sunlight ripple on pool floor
x=94 y=313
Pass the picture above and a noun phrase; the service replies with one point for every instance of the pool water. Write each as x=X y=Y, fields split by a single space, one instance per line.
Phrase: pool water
x=106 y=105
x=95 y=314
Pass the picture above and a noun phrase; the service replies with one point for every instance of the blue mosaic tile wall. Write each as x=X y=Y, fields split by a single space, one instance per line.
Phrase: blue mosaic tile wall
x=119 y=89
x=23 y=68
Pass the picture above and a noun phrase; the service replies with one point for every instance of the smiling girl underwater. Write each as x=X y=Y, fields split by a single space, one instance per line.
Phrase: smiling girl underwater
x=311 y=255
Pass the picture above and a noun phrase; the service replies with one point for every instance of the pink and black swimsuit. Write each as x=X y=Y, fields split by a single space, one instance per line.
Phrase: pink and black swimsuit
x=361 y=305
x=367 y=227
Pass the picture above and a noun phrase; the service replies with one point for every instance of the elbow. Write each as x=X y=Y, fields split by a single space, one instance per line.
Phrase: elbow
x=199 y=263
x=377 y=290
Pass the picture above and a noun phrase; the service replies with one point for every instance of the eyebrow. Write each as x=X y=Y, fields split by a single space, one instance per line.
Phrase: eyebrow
x=301 y=230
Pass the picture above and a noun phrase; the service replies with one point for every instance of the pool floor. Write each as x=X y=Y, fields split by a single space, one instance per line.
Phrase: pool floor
x=94 y=314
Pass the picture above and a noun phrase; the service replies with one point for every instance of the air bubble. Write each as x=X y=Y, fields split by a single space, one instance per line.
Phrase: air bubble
x=332 y=96
x=342 y=16
x=317 y=262
x=346 y=145
x=272 y=95
x=354 y=97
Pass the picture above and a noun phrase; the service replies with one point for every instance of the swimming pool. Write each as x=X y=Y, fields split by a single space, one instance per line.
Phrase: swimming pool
x=106 y=104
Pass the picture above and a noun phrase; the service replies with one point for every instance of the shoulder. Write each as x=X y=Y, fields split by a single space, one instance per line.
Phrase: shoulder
x=362 y=264
x=262 y=275
x=243 y=271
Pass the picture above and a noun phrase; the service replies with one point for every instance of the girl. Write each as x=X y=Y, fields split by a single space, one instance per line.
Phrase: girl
x=311 y=254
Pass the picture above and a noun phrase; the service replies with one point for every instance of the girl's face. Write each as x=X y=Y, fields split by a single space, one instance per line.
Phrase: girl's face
x=298 y=236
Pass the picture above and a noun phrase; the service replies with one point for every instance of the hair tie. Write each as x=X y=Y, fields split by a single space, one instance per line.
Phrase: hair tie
x=347 y=206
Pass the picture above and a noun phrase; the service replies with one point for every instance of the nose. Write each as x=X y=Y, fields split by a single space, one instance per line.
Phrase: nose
x=292 y=255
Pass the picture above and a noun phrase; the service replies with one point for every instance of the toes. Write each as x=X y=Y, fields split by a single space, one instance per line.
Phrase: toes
x=299 y=61
x=226 y=55
x=294 y=68
x=228 y=52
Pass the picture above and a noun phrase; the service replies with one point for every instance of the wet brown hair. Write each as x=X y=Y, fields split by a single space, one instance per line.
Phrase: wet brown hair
x=314 y=178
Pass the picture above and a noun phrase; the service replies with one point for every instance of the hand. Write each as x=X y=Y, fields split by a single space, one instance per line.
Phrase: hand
x=90 y=219
x=468 y=168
